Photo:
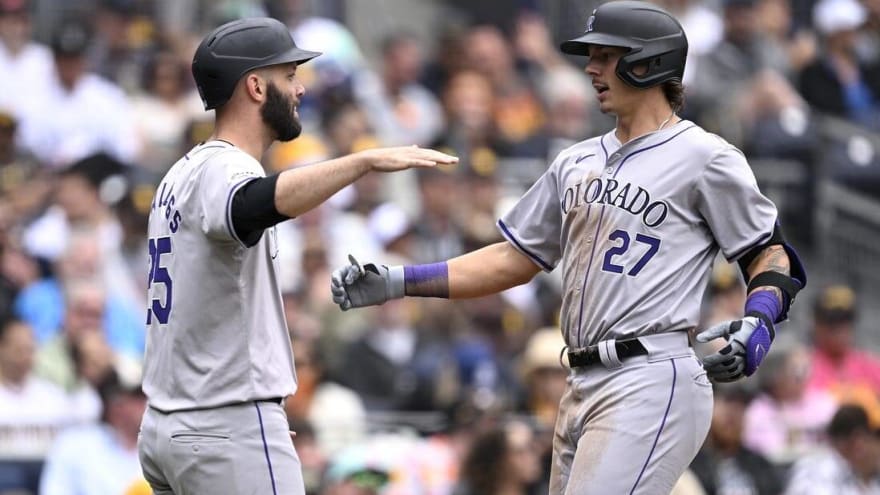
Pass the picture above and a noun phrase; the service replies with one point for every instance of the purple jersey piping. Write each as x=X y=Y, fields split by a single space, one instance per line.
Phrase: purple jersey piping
x=266 y=448
x=577 y=342
x=662 y=424
x=546 y=266
x=601 y=216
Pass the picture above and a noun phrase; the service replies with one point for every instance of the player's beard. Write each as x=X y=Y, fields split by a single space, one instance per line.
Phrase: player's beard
x=278 y=113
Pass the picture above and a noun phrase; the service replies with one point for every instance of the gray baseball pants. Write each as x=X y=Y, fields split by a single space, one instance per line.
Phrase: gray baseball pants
x=632 y=426
x=237 y=449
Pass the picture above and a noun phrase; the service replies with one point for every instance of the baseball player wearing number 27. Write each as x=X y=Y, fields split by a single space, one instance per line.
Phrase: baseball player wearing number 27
x=634 y=219
x=218 y=362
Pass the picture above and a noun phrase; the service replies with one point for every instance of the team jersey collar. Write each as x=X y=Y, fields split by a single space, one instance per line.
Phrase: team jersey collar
x=613 y=144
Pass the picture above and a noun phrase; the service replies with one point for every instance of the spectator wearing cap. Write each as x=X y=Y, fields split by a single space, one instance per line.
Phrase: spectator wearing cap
x=80 y=113
x=724 y=465
x=838 y=366
x=26 y=65
x=837 y=82
x=850 y=465
x=102 y=458
x=356 y=472
x=543 y=375
x=85 y=195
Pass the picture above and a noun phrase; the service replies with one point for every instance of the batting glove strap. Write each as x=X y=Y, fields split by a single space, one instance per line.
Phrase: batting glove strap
x=396 y=282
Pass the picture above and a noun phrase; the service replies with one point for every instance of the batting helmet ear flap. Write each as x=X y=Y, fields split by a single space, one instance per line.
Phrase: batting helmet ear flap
x=665 y=61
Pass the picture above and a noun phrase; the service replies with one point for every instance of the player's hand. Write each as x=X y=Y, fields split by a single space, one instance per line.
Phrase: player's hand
x=748 y=341
x=404 y=157
x=356 y=286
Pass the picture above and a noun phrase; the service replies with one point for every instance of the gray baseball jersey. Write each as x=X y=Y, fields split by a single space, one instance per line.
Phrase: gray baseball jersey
x=216 y=332
x=636 y=228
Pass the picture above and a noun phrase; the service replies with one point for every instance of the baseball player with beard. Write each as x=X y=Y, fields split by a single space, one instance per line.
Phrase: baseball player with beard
x=634 y=219
x=218 y=362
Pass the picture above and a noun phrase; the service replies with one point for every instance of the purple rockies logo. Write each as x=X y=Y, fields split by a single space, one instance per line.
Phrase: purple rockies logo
x=590 y=23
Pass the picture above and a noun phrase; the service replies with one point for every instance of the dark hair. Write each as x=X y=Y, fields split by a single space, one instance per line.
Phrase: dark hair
x=847 y=420
x=483 y=466
x=673 y=90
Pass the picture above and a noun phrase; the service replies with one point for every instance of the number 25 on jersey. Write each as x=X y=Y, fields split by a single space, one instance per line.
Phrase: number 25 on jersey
x=159 y=275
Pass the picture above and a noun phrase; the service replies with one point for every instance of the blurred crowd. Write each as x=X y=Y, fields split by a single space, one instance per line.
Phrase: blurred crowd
x=418 y=396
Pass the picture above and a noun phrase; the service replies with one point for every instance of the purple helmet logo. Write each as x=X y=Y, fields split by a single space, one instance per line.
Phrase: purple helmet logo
x=590 y=22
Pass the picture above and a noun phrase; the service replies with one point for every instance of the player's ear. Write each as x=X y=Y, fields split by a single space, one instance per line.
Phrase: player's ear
x=255 y=86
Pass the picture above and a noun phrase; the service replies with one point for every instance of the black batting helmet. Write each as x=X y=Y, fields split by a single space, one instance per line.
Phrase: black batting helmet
x=651 y=35
x=237 y=47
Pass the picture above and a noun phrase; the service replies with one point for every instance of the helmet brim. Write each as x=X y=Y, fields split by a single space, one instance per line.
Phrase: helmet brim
x=581 y=46
x=295 y=54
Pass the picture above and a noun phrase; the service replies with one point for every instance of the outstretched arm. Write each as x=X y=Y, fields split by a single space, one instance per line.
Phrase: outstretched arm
x=488 y=270
x=485 y=271
x=303 y=188
x=266 y=201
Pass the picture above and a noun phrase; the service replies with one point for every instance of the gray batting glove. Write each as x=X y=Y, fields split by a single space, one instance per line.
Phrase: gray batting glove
x=748 y=341
x=356 y=286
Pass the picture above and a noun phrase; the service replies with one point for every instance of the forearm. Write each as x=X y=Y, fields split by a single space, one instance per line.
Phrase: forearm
x=302 y=188
x=485 y=271
x=767 y=301
x=489 y=270
x=772 y=259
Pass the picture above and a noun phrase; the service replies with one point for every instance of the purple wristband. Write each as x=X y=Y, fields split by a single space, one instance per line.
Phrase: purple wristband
x=430 y=280
x=766 y=303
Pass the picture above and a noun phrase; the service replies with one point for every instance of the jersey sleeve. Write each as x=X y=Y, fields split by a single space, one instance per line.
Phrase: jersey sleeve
x=223 y=175
x=534 y=223
x=728 y=198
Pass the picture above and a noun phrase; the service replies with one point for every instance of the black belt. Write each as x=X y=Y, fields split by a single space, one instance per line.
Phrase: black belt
x=275 y=400
x=589 y=356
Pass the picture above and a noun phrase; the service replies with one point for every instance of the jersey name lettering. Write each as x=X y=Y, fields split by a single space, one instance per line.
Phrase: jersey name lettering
x=166 y=199
x=635 y=200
